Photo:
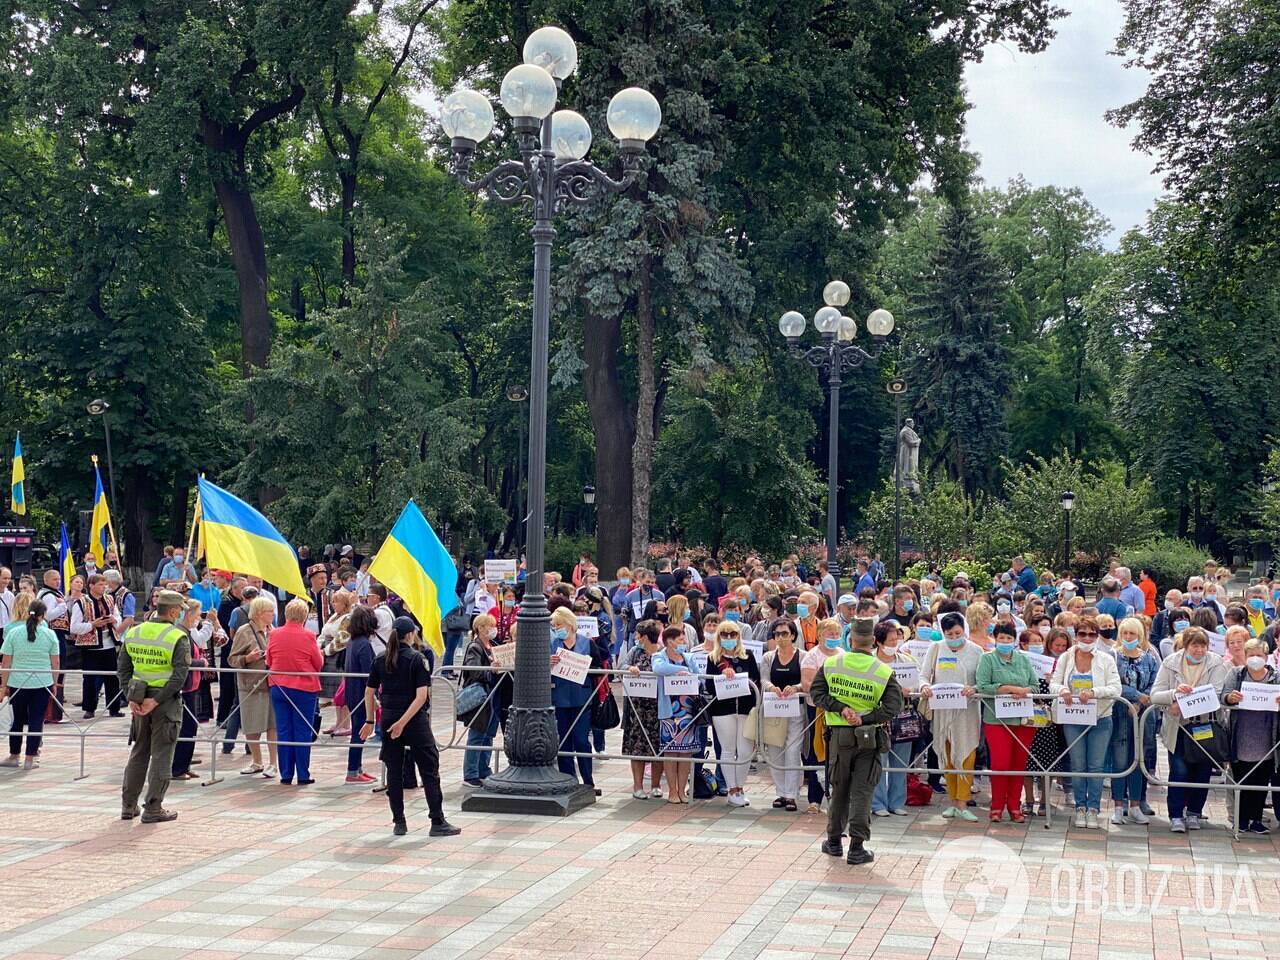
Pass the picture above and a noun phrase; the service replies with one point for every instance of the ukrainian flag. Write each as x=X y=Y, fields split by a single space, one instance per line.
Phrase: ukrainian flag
x=237 y=537
x=100 y=533
x=66 y=560
x=414 y=563
x=18 y=499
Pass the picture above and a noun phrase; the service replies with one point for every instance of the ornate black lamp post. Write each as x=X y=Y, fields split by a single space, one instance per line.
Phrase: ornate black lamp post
x=551 y=175
x=836 y=353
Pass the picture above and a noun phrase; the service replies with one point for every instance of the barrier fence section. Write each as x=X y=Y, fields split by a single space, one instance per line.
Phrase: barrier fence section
x=764 y=706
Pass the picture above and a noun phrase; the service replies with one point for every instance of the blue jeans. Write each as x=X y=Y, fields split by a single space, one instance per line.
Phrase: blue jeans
x=295 y=710
x=1127 y=788
x=574 y=727
x=451 y=641
x=1150 y=732
x=891 y=790
x=476 y=763
x=1088 y=752
x=1184 y=800
x=355 y=756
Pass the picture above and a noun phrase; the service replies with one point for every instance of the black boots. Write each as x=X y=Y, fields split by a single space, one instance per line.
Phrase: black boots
x=858 y=854
x=833 y=847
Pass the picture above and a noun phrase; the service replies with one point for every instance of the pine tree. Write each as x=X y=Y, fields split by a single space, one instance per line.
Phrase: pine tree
x=960 y=371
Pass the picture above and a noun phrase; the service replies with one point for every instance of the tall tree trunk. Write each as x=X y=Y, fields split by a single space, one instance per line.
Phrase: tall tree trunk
x=348 y=181
x=141 y=549
x=249 y=255
x=646 y=404
x=601 y=345
x=178 y=529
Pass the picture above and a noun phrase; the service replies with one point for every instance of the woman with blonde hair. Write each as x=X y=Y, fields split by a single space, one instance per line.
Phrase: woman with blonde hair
x=729 y=658
x=482 y=726
x=678 y=616
x=572 y=700
x=292 y=650
x=978 y=616
x=334 y=637
x=1138 y=666
x=249 y=654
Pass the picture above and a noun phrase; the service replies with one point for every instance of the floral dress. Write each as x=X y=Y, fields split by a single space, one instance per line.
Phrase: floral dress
x=640 y=714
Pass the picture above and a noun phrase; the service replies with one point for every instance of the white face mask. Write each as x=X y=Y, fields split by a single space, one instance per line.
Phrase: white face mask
x=1169 y=605
x=1043 y=629
x=1035 y=648
x=1086 y=647
x=889 y=651
x=1255 y=663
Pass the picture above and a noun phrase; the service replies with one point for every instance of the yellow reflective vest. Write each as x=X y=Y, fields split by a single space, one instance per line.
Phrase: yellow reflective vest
x=858 y=680
x=150 y=645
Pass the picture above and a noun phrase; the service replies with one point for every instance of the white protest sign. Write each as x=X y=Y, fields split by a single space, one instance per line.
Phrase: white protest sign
x=571 y=666
x=1076 y=713
x=637 y=608
x=907 y=675
x=1042 y=664
x=646 y=687
x=948 y=696
x=500 y=571
x=1012 y=708
x=776 y=706
x=697 y=661
x=918 y=648
x=1218 y=644
x=731 y=689
x=755 y=649
x=1203 y=699
x=680 y=685
x=504 y=656
x=589 y=626
x=1259 y=696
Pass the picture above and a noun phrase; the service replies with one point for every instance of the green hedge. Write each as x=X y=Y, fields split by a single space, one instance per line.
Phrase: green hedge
x=1172 y=560
x=560 y=554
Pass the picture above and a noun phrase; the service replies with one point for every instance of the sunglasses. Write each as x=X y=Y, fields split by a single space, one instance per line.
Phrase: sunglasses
x=729 y=633
x=1085 y=633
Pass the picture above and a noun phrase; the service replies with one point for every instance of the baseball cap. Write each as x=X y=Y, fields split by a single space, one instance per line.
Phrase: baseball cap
x=846 y=598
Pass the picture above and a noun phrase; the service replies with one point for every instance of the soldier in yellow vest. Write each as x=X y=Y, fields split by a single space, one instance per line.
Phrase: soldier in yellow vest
x=859 y=696
x=154 y=660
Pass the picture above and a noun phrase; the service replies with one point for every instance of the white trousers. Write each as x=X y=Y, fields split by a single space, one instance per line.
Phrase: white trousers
x=787 y=782
x=735 y=748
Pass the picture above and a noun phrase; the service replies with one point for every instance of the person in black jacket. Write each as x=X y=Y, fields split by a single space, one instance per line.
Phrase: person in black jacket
x=730 y=659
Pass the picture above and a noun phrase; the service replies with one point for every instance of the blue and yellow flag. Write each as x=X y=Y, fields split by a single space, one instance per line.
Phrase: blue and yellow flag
x=18 y=486
x=237 y=537
x=100 y=532
x=414 y=563
x=66 y=560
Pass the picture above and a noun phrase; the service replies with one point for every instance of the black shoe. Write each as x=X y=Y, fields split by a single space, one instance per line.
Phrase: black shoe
x=833 y=848
x=88 y=715
x=400 y=828
x=1146 y=808
x=444 y=829
x=115 y=713
x=303 y=783
x=971 y=803
x=858 y=854
x=474 y=783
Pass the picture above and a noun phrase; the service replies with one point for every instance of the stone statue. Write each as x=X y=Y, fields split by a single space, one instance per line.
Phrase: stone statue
x=908 y=465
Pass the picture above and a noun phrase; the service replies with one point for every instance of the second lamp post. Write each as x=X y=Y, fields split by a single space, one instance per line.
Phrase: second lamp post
x=836 y=353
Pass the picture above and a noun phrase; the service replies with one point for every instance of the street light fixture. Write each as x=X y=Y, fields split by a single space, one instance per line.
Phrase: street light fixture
x=589 y=495
x=99 y=408
x=552 y=175
x=1068 y=504
x=835 y=354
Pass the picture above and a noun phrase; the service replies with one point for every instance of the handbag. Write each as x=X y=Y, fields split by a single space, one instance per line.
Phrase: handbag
x=1202 y=740
x=906 y=726
x=604 y=710
x=775 y=729
x=457 y=620
x=696 y=705
x=470 y=698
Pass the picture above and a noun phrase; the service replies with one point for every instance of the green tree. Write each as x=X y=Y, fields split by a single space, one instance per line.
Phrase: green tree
x=959 y=366
x=936 y=523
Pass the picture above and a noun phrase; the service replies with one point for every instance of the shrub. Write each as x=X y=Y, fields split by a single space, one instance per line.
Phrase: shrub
x=560 y=554
x=1173 y=561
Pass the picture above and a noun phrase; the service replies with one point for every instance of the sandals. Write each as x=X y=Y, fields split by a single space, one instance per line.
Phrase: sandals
x=790 y=806
x=779 y=803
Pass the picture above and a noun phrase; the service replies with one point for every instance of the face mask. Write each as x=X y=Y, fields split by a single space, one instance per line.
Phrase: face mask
x=1131 y=644
x=1255 y=663
x=1220 y=630
x=350 y=584
x=991 y=629
x=1071 y=632
x=1256 y=603
x=1168 y=604
x=1275 y=594
x=932 y=634
x=729 y=643
x=560 y=633
x=802 y=610
x=1108 y=632
x=1180 y=625
x=625 y=581
x=1043 y=629
x=955 y=643
x=832 y=643
x=908 y=605
x=890 y=651
x=508 y=604
x=1194 y=661
x=1002 y=607
x=963 y=603
x=1197 y=595
x=1005 y=649
x=1067 y=594
x=1086 y=647
x=687 y=615
x=681 y=648
x=493 y=633
x=924 y=603
x=178 y=558
x=1035 y=648
x=733 y=615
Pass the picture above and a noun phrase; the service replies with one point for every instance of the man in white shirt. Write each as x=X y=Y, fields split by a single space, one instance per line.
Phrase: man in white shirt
x=95 y=625
x=6 y=596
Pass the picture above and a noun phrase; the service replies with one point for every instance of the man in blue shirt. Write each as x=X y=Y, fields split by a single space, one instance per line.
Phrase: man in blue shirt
x=1025 y=576
x=1111 y=604
x=1131 y=594
x=865 y=580
x=207 y=593
x=177 y=568
x=636 y=600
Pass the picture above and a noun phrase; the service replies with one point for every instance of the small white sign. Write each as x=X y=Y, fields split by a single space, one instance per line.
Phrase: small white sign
x=1203 y=699
x=1076 y=713
x=646 y=687
x=1013 y=708
x=680 y=685
x=697 y=661
x=732 y=689
x=1259 y=696
x=571 y=666
x=1042 y=664
x=755 y=649
x=589 y=626
x=776 y=706
x=919 y=649
x=637 y=608
x=907 y=674
x=948 y=696
x=504 y=656
x=500 y=571
x=1218 y=644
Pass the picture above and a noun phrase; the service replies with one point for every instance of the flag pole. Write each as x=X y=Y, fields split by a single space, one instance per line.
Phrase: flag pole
x=195 y=519
x=111 y=530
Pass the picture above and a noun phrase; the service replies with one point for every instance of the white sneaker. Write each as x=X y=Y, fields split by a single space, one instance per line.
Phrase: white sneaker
x=1178 y=825
x=900 y=812
x=1091 y=820
x=1138 y=816
x=639 y=795
x=737 y=800
x=963 y=813
x=950 y=812
x=880 y=813
x=655 y=794
x=1118 y=817
x=1080 y=820
x=270 y=772
x=1193 y=822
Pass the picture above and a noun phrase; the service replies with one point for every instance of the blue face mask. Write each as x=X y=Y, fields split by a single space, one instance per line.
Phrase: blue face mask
x=1004 y=649
x=932 y=634
x=350 y=584
x=1220 y=630
x=991 y=629
x=955 y=643
x=1071 y=632
x=832 y=643
x=733 y=615
x=688 y=615
x=682 y=648
x=1256 y=603
x=729 y=643
x=908 y=605
x=1194 y=661
x=624 y=581
x=560 y=633
x=1180 y=625
x=1131 y=644
x=802 y=610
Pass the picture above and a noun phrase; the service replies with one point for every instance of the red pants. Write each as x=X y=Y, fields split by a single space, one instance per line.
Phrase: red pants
x=1008 y=749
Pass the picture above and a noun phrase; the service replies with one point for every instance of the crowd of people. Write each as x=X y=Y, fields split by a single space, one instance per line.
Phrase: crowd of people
x=984 y=669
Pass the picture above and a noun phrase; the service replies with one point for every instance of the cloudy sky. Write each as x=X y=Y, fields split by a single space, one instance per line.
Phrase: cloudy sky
x=1042 y=116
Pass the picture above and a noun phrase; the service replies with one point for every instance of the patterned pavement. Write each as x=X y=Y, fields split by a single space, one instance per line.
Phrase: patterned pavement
x=255 y=869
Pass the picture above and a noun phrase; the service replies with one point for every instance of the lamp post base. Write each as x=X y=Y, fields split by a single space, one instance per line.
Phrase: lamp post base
x=535 y=791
